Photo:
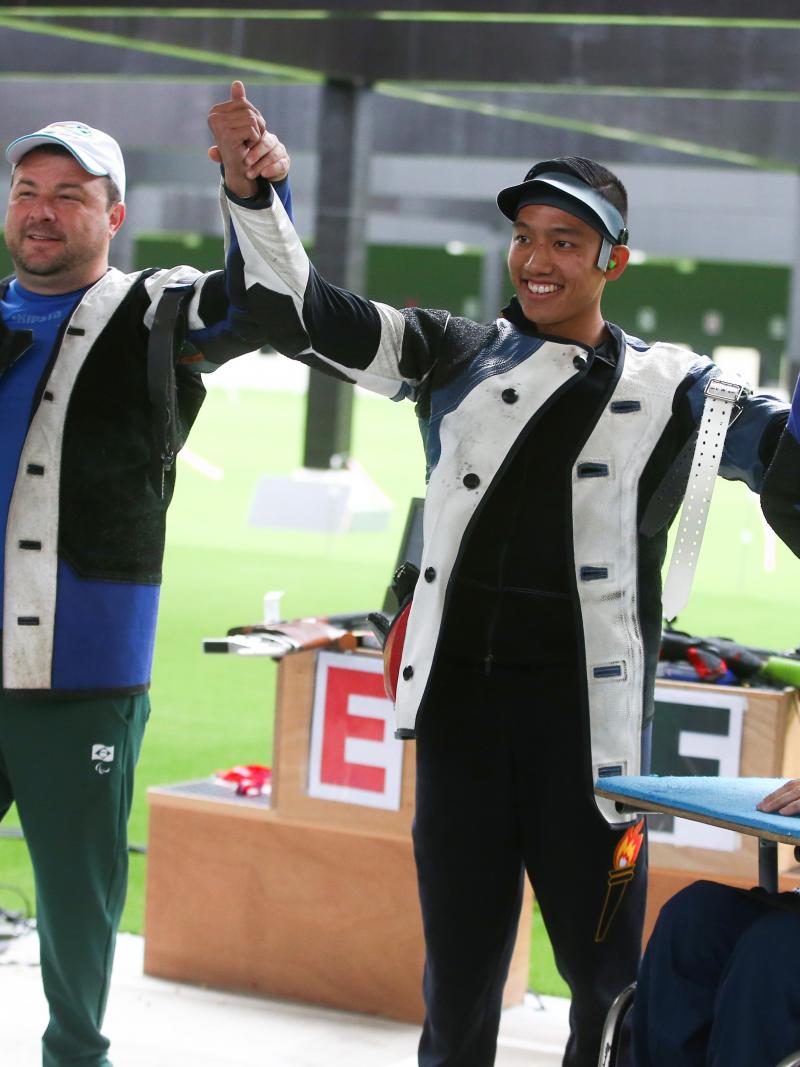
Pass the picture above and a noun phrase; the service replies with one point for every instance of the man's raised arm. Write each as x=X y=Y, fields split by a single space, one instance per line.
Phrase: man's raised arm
x=225 y=317
x=244 y=146
x=309 y=319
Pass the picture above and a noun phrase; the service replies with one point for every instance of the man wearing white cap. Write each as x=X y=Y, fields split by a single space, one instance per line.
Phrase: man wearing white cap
x=90 y=419
x=554 y=444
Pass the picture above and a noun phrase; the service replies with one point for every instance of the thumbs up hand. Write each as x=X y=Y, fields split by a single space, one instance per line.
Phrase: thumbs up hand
x=243 y=144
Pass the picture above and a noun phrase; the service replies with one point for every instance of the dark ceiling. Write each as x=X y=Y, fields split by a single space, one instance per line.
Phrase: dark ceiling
x=651 y=81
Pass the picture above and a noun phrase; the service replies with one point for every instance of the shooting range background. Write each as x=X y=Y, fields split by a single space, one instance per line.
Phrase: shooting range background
x=211 y=712
x=699 y=115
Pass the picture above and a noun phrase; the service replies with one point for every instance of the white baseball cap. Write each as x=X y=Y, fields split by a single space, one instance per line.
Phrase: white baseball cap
x=96 y=152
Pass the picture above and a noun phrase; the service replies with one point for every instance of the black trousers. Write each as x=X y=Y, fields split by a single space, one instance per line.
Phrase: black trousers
x=718 y=985
x=504 y=788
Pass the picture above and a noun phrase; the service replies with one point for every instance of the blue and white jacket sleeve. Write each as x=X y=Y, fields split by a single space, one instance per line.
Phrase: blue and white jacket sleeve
x=332 y=329
x=225 y=317
x=780 y=494
x=753 y=436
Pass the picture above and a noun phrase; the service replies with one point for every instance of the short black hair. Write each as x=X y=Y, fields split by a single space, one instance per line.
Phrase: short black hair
x=593 y=174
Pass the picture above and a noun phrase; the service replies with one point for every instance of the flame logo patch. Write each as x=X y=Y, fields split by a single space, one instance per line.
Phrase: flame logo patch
x=622 y=872
x=627 y=851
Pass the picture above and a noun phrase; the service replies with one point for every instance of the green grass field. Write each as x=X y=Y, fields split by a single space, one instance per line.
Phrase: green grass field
x=211 y=712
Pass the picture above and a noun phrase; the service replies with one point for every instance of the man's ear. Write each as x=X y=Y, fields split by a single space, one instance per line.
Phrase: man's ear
x=618 y=261
x=115 y=219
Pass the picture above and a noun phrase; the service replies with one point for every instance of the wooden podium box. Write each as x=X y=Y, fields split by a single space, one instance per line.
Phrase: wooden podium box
x=297 y=895
x=315 y=899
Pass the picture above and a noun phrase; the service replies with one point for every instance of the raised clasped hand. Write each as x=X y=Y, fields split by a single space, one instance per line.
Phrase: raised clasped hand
x=243 y=144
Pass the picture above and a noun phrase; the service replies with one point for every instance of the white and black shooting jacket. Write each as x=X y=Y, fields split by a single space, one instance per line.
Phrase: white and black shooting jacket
x=480 y=391
x=84 y=539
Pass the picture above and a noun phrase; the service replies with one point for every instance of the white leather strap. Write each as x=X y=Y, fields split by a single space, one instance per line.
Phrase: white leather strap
x=721 y=397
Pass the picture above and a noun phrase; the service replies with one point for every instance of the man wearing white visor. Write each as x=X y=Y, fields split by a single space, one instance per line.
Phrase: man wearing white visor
x=552 y=438
x=91 y=416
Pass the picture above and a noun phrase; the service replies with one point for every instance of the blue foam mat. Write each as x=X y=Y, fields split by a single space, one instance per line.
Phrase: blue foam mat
x=730 y=800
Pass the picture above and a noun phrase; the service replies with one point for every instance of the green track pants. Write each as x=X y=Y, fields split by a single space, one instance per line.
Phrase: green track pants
x=69 y=766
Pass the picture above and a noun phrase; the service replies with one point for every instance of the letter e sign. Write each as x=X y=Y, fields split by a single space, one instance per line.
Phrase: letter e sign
x=354 y=756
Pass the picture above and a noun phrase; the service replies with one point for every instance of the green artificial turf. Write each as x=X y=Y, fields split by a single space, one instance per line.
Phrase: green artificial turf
x=212 y=712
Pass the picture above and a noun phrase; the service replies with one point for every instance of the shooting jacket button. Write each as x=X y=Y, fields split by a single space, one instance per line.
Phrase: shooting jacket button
x=509 y=396
x=430 y=574
x=471 y=481
x=579 y=362
x=408 y=673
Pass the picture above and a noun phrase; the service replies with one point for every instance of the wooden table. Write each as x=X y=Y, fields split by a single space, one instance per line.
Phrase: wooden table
x=295 y=895
x=726 y=802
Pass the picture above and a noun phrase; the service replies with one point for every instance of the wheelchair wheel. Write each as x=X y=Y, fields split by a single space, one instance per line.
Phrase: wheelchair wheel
x=609 y=1044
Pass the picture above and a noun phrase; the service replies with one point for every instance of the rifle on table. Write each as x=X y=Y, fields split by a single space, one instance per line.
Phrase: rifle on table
x=277 y=639
x=721 y=659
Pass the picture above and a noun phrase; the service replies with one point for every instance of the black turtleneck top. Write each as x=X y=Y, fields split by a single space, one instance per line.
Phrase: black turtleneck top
x=511 y=599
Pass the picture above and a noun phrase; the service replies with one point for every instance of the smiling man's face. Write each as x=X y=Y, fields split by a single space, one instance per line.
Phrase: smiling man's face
x=553 y=266
x=59 y=223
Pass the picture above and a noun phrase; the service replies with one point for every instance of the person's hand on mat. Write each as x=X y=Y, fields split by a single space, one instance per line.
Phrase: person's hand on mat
x=783 y=801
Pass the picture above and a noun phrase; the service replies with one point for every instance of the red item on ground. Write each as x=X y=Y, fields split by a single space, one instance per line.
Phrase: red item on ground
x=248 y=781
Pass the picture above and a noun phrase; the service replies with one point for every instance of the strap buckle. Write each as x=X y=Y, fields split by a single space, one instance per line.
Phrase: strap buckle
x=730 y=391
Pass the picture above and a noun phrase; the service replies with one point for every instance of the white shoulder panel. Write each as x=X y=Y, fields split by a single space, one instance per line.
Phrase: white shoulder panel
x=30 y=576
x=605 y=542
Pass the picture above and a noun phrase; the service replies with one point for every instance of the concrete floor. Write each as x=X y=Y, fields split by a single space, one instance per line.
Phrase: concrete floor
x=155 y=1023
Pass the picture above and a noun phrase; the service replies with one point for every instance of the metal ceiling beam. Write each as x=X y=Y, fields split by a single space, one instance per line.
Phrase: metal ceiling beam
x=748 y=54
